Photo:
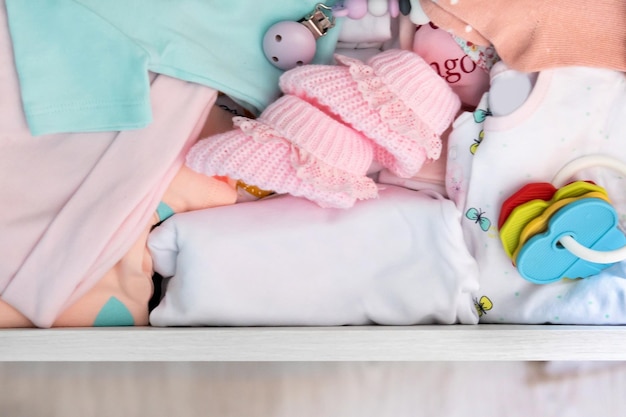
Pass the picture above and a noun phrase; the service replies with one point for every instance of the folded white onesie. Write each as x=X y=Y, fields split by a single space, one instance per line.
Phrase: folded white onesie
x=396 y=260
x=570 y=113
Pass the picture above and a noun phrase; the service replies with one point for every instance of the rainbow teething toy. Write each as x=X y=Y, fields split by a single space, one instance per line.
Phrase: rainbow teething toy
x=570 y=232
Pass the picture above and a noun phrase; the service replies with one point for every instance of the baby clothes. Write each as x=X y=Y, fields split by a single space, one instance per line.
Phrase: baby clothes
x=463 y=142
x=508 y=88
x=295 y=148
x=285 y=261
x=120 y=297
x=431 y=175
x=395 y=99
x=466 y=78
x=531 y=35
x=89 y=193
x=571 y=112
x=368 y=31
x=319 y=140
x=364 y=37
x=83 y=64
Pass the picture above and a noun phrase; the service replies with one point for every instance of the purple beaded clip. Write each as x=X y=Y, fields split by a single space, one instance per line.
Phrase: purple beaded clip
x=288 y=44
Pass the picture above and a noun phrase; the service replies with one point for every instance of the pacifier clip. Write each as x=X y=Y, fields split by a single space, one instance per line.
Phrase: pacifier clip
x=288 y=44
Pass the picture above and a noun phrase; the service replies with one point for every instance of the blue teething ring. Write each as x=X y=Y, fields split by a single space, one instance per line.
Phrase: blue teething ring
x=582 y=238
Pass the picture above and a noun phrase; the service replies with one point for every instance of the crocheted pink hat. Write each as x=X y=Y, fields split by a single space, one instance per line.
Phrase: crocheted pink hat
x=293 y=147
x=397 y=100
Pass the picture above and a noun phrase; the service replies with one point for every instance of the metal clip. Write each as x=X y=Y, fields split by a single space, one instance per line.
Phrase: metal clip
x=320 y=21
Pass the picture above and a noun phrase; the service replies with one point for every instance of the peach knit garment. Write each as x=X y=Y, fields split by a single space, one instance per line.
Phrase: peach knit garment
x=532 y=35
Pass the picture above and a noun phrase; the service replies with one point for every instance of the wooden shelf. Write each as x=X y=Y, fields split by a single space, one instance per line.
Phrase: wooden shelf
x=367 y=343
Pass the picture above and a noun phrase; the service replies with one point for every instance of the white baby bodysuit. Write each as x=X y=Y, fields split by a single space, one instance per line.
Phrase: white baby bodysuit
x=463 y=141
x=283 y=260
x=571 y=112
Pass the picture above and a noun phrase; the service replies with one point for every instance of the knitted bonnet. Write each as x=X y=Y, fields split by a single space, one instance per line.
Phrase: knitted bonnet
x=294 y=148
x=397 y=100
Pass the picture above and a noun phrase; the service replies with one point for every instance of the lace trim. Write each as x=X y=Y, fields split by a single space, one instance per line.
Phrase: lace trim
x=397 y=115
x=311 y=170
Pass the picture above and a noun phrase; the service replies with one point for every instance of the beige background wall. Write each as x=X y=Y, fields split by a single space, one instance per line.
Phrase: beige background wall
x=485 y=389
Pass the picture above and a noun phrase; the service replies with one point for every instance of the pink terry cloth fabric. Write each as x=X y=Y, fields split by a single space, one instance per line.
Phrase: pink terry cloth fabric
x=75 y=204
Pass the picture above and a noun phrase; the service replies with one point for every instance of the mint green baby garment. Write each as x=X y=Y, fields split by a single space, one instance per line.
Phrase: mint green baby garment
x=83 y=64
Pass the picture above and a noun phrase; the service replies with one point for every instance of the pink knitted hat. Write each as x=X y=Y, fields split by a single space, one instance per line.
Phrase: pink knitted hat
x=293 y=147
x=397 y=100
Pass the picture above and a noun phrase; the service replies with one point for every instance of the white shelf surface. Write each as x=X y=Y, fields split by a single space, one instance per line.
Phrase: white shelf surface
x=360 y=343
